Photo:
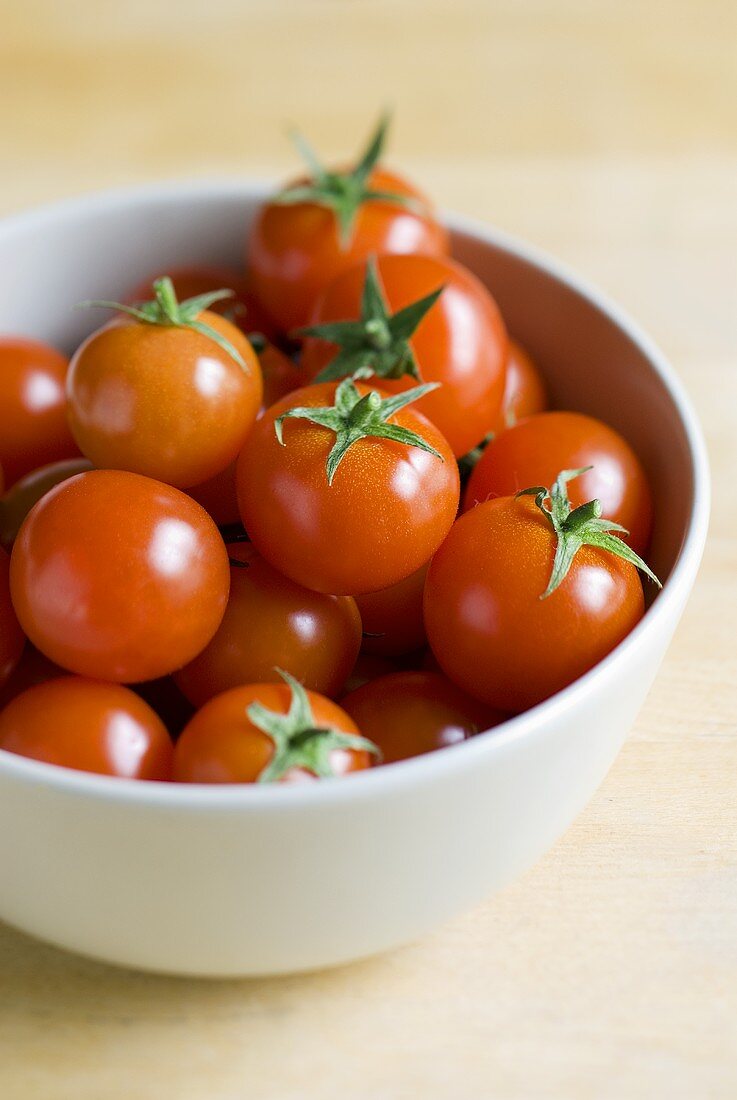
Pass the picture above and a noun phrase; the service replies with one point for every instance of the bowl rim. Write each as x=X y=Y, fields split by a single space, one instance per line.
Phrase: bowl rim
x=434 y=766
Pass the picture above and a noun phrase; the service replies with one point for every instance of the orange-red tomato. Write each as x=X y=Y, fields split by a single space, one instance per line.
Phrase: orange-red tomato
x=485 y=621
x=89 y=726
x=386 y=512
x=28 y=490
x=392 y=617
x=535 y=450
x=12 y=638
x=190 y=282
x=280 y=374
x=33 y=418
x=295 y=251
x=164 y=401
x=118 y=577
x=524 y=389
x=271 y=622
x=411 y=713
x=222 y=745
x=461 y=342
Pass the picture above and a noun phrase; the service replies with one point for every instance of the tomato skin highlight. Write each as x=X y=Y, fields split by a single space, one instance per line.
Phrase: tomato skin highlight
x=461 y=343
x=410 y=713
x=222 y=745
x=524 y=389
x=165 y=402
x=392 y=618
x=491 y=633
x=28 y=490
x=294 y=250
x=89 y=726
x=12 y=638
x=33 y=407
x=271 y=622
x=386 y=512
x=118 y=577
x=534 y=451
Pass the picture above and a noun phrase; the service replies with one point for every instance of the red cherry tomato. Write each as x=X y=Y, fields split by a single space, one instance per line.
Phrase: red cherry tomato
x=164 y=401
x=392 y=617
x=33 y=418
x=271 y=622
x=119 y=577
x=461 y=342
x=410 y=713
x=535 y=450
x=12 y=639
x=189 y=282
x=222 y=745
x=524 y=390
x=88 y=726
x=388 y=509
x=487 y=625
x=28 y=490
x=33 y=668
x=295 y=251
x=218 y=496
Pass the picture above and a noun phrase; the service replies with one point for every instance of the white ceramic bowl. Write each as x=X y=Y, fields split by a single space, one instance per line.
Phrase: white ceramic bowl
x=251 y=880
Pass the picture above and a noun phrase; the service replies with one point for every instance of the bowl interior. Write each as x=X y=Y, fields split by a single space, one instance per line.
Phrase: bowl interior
x=593 y=361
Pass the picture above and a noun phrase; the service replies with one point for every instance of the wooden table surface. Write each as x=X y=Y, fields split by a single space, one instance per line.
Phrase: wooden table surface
x=606 y=132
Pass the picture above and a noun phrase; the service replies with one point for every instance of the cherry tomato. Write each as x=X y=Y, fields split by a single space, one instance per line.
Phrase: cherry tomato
x=33 y=668
x=280 y=374
x=218 y=496
x=12 y=639
x=119 y=577
x=88 y=726
x=387 y=510
x=533 y=451
x=410 y=713
x=392 y=617
x=223 y=745
x=369 y=667
x=271 y=622
x=164 y=400
x=189 y=282
x=295 y=251
x=33 y=417
x=461 y=342
x=524 y=390
x=487 y=625
x=28 y=490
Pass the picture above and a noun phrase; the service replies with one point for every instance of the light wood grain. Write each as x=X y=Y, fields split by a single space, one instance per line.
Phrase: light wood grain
x=606 y=132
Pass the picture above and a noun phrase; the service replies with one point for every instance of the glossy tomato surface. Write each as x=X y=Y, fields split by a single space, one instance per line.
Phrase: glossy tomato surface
x=222 y=745
x=294 y=250
x=388 y=509
x=487 y=626
x=524 y=389
x=534 y=451
x=28 y=490
x=166 y=402
x=190 y=282
x=33 y=418
x=410 y=713
x=460 y=343
x=271 y=622
x=118 y=577
x=89 y=726
x=12 y=638
x=392 y=618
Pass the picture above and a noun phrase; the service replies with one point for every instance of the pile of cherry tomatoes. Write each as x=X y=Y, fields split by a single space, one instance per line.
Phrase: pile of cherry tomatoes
x=232 y=548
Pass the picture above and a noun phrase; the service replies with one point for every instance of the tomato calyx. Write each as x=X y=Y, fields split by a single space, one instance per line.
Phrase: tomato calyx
x=577 y=527
x=166 y=310
x=343 y=192
x=378 y=343
x=354 y=417
x=298 y=741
